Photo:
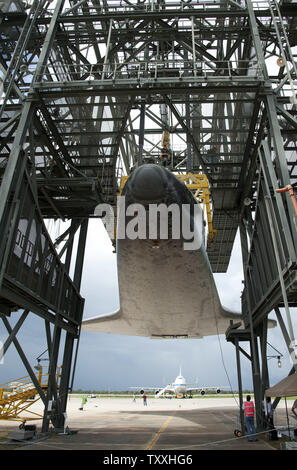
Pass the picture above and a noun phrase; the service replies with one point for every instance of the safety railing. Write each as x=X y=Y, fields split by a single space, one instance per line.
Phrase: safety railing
x=147 y=6
x=116 y=7
x=153 y=70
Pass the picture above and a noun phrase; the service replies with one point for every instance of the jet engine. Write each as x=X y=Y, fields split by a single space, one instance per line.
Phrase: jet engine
x=202 y=392
x=141 y=392
x=218 y=390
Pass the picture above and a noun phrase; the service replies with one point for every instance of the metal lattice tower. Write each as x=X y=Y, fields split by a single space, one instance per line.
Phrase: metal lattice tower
x=88 y=88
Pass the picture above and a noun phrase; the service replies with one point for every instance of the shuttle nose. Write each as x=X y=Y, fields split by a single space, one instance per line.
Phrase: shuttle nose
x=148 y=183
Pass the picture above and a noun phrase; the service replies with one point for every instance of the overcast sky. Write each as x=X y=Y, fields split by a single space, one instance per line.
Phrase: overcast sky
x=116 y=362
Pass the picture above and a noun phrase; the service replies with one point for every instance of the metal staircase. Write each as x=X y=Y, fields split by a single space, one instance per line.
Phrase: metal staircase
x=16 y=397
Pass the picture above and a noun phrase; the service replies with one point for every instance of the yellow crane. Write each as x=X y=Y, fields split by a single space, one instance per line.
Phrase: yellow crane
x=165 y=156
x=198 y=183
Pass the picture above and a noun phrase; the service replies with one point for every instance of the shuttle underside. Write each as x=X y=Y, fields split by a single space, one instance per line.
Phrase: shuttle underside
x=167 y=289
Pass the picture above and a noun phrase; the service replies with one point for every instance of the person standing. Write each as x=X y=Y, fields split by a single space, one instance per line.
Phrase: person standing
x=83 y=402
x=249 y=412
x=144 y=399
x=269 y=413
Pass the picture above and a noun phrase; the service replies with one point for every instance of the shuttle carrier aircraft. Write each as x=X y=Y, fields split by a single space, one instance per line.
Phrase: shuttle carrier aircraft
x=178 y=388
x=166 y=286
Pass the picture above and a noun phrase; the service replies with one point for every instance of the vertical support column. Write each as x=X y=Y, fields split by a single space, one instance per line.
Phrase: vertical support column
x=256 y=382
x=141 y=133
x=80 y=253
x=51 y=412
x=253 y=338
x=107 y=50
x=189 y=158
x=263 y=341
x=257 y=39
x=73 y=229
x=193 y=47
x=241 y=413
x=189 y=147
x=69 y=341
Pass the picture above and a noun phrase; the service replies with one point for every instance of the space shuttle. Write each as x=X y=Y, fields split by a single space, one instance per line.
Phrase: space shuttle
x=166 y=285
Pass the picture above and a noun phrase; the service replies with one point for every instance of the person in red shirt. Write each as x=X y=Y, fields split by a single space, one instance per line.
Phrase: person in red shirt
x=249 y=412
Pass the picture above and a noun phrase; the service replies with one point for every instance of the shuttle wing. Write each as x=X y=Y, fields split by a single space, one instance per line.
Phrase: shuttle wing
x=120 y=323
x=102 y=323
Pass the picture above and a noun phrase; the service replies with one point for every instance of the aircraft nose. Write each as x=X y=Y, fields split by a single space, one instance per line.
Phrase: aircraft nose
x=148 y=183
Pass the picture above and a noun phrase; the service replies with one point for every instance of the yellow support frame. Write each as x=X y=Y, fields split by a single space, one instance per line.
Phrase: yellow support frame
x=123 y=182
x=197 y=182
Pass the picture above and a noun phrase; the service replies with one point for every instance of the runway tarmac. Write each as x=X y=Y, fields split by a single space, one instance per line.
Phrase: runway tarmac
x=164 y=424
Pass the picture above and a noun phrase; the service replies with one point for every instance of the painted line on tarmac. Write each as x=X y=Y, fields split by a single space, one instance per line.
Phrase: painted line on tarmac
x=162 y=429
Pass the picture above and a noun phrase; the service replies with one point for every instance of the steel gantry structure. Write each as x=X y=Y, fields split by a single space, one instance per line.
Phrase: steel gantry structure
x=88 y=89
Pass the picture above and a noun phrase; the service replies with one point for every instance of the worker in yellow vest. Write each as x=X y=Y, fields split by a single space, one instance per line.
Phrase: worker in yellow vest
x=249 y=412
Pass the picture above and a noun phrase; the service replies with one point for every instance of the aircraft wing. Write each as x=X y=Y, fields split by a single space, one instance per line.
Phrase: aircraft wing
x=192 y=389
x=145 y=388
x=159 y=391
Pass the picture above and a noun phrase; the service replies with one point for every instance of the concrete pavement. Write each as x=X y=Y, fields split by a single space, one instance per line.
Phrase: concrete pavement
x=164 y=424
